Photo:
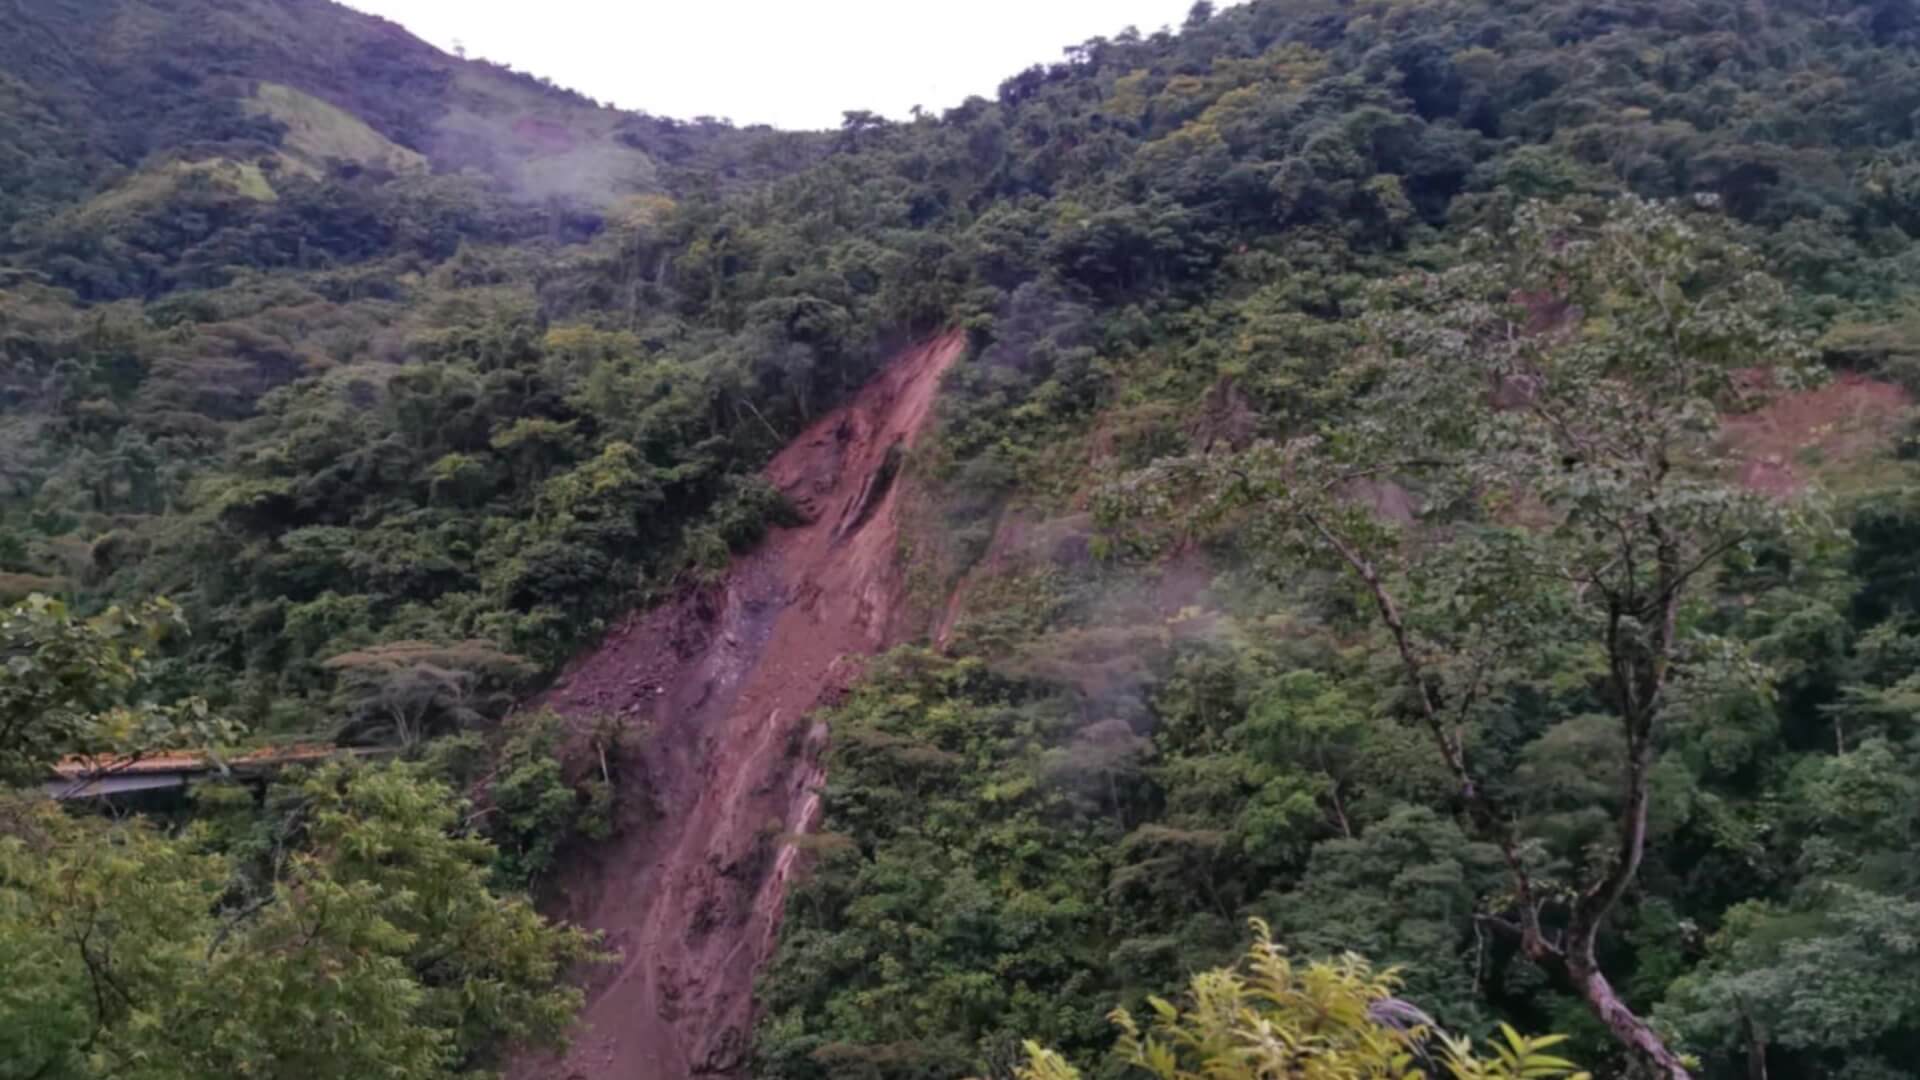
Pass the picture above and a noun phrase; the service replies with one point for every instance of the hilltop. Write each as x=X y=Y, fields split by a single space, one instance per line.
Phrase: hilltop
x=99 y=88
x=149 y=132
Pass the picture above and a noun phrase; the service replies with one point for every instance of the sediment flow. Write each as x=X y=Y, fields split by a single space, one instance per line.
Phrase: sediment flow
x=724 y=679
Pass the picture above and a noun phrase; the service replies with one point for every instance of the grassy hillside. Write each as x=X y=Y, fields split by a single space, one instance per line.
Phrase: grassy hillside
x=359 y=351
x=318 y=133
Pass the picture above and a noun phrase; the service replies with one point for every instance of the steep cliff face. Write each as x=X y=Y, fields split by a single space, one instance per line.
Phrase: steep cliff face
x=690 y=894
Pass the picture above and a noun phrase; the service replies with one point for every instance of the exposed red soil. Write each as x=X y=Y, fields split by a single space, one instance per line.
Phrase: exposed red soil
x=1843 y=421
x=690 y=892
x=543 y=136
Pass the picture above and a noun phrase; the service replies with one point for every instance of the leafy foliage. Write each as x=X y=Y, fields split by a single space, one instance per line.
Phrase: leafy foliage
x=545 y=785
x=70 y=689
x=348 y=929
x=1324 y=1019
x=375 y=945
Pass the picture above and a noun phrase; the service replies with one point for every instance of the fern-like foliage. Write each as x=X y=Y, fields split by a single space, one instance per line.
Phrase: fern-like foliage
x=1277 y=1018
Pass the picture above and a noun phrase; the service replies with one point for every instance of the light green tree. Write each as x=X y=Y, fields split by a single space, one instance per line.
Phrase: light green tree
x=375 y=947
x=72 y=687
x=359 y=938
x=1275 y=1018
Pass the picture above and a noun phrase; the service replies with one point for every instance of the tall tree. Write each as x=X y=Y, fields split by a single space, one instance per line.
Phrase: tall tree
x=1551 y=408
x=402 y=690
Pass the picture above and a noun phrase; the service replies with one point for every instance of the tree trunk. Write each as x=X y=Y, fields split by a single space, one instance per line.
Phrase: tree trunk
x=1756 y=1041
x=1628 y=1029
x=1638 y=701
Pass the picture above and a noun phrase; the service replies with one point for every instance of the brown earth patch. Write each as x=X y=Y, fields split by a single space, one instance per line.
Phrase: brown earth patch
x=543 y=136
x=690 y=892
x=1798 y=435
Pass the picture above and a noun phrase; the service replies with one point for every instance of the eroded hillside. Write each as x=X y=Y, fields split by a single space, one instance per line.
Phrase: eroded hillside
x=722 y=681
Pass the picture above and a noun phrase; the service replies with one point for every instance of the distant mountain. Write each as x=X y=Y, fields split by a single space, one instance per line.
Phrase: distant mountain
x=107 y=106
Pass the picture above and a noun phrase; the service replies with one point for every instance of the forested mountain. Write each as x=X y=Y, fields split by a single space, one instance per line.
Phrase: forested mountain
x=154 y=145
x=1431 y=475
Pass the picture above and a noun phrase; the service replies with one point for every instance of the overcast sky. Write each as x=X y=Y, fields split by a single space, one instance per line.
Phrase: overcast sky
x=790 y=63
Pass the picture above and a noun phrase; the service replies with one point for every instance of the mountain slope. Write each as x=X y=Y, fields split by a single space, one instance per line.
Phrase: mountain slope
x=395 y=435
x=724 y=679
x=101 y=85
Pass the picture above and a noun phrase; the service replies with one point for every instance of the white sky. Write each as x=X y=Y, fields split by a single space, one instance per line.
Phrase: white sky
x=790 y=63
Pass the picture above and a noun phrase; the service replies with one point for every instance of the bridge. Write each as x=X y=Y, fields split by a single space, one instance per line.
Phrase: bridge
x=99 y=777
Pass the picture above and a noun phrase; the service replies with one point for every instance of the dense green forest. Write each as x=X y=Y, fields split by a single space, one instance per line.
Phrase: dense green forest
x=347 y=389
